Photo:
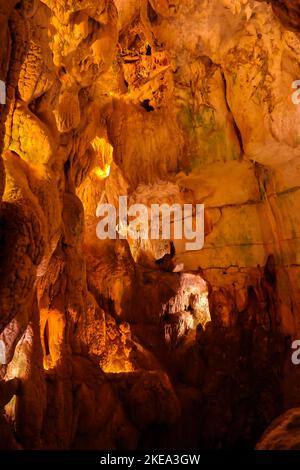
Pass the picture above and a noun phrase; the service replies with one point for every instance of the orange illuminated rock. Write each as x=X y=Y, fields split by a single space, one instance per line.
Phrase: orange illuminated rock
x=124 y=344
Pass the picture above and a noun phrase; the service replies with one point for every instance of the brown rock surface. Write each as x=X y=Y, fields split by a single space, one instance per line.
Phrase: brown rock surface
x=283 y=433
x=122 y=344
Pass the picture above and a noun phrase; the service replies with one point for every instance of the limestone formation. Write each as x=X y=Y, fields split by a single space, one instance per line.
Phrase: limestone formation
x=282 y=434
x=132 y=343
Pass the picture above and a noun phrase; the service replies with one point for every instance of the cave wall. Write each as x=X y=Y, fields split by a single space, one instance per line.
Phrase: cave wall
x=183 y=101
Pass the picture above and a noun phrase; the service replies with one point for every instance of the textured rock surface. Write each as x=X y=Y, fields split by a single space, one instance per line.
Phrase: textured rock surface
x=102 y=344
x=283 y=434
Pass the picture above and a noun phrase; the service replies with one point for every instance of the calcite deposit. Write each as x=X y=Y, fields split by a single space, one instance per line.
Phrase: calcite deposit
x=128 y=343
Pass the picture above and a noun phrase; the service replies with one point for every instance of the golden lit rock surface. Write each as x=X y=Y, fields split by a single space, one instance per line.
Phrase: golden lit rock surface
x=162 y=101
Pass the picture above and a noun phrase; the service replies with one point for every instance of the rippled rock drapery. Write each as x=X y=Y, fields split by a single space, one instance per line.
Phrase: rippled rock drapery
x=288 y=11
x=166 y=102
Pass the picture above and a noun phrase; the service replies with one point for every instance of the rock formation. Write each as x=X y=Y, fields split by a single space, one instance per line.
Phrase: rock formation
x=131 y=344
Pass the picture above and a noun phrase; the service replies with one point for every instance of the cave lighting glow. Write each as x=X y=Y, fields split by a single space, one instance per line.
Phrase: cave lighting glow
x=104 y=152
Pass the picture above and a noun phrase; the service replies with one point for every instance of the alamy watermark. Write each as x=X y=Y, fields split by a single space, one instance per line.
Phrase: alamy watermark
x=296 y=94
x=2 y=92
x=158 y=222
x=2 y=353
x=296 y=354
